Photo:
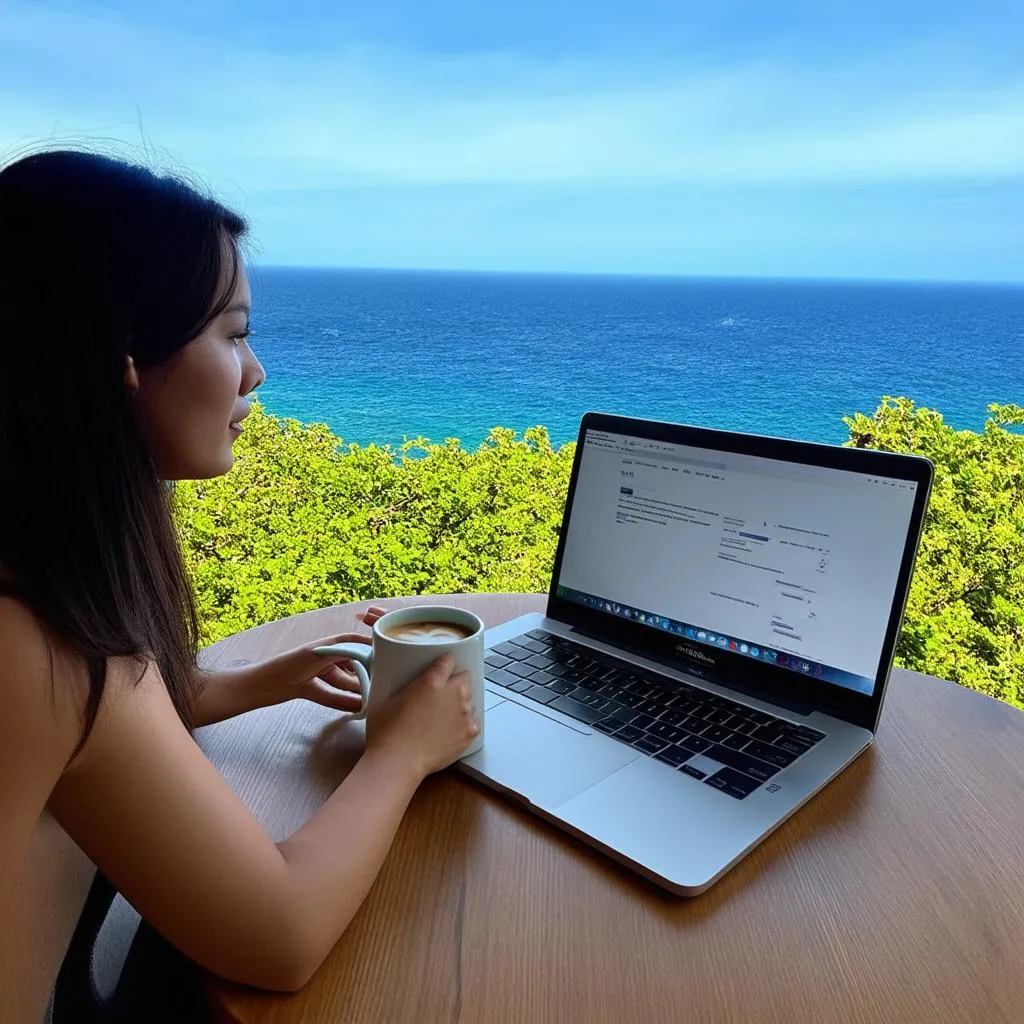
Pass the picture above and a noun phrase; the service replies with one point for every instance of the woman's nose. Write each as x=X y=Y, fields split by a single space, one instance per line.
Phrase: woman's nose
x=253 y=375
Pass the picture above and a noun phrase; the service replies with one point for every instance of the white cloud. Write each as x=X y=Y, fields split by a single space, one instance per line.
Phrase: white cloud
x=269 y=121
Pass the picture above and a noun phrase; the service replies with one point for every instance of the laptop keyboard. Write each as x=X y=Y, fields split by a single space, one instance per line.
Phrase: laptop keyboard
x=719 y=742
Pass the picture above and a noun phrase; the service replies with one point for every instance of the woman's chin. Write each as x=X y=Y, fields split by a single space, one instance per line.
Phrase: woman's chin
x=212 y=467
x=225 y=464
x=197 y=464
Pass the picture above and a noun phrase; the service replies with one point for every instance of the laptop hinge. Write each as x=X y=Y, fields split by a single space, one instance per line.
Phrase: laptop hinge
x=798 y=707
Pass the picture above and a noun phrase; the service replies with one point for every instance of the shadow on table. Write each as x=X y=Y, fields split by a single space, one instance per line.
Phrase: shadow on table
x=829 y=816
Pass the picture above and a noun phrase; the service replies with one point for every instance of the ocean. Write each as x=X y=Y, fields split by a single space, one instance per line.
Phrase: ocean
x=386 y=355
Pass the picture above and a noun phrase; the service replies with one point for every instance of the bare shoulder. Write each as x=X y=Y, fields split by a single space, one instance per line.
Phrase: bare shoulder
x=43 y=689
x=44 y=686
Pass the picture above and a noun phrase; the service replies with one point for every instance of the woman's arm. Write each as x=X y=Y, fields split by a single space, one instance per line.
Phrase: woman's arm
x=37 y=737
x=296 y=674
x=224 y=694
x=156 y=817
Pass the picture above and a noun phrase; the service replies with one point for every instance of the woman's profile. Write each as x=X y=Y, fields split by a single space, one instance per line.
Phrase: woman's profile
x=125 y=365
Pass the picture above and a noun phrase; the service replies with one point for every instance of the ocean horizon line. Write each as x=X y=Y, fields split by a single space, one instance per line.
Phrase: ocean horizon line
x=994 y=283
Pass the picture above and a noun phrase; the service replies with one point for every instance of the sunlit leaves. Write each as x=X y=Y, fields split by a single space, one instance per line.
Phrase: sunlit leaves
x=300 y=523
x=303 y=521
x=965 y=616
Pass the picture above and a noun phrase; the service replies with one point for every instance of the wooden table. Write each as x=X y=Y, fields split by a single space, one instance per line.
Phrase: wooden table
x=896 y=895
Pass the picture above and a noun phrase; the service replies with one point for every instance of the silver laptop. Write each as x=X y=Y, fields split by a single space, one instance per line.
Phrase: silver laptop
x=717 y=642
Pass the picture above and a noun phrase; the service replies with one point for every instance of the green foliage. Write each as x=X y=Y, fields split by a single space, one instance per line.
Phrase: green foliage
x=965 y=614
x=302 y=522
x=299 y=523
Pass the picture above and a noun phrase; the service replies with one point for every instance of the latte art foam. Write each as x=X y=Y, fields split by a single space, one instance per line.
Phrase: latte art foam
x=428 y=632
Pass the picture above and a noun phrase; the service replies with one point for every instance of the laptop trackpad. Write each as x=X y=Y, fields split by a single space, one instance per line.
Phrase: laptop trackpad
x=541 y=759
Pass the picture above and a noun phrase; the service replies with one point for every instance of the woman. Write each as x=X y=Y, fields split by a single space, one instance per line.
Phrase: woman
x=124 y=363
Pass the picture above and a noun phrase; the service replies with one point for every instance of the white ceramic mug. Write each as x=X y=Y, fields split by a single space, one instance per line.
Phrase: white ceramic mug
x=391 y=663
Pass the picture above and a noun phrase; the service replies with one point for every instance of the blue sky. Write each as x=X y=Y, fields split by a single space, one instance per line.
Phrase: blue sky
x=848 y=139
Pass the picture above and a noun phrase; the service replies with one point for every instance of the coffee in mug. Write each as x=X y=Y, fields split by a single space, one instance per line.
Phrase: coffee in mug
x=427 y=632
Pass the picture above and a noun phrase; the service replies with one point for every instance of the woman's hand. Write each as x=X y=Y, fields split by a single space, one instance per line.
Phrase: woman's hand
x=301 y=673
x=429 y=723
x=296 y=674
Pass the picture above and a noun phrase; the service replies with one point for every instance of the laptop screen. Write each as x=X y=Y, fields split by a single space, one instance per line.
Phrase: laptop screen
x=790 y=564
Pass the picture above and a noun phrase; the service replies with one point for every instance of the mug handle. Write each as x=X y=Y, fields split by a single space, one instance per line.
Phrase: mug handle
x=361 y=656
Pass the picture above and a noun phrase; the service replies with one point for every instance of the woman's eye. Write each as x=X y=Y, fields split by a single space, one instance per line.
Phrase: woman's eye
x=241 y=336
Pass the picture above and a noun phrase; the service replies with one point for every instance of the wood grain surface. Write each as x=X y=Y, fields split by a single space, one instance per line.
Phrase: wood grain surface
x=895 y=895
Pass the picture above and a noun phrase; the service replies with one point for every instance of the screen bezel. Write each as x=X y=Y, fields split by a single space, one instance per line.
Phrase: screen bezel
x=759 y=679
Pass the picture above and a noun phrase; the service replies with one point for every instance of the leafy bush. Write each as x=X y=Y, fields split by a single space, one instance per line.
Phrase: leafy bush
x=300 y=523
x=965 y=614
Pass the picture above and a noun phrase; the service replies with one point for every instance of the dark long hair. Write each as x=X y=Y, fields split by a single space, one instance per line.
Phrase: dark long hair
x=99 y=259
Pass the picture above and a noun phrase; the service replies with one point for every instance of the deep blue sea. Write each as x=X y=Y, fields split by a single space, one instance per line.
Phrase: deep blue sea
x=382 y=355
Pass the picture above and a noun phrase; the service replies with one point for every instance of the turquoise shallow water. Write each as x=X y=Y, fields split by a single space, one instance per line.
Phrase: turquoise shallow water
x=380 y=355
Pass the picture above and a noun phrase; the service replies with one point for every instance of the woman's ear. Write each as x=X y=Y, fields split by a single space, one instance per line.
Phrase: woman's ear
x=131 y=375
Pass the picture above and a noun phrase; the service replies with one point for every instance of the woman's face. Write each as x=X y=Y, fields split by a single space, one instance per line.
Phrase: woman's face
x=190 y=408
